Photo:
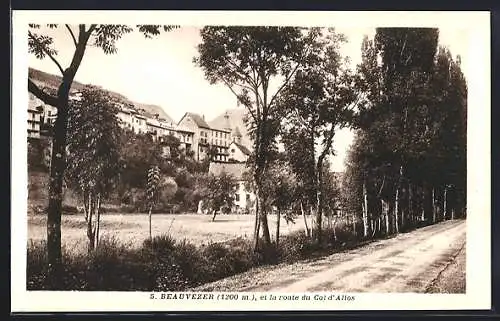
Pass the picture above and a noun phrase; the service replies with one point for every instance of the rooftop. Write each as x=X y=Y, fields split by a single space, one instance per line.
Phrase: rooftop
x=198 y=120
x=243 y=148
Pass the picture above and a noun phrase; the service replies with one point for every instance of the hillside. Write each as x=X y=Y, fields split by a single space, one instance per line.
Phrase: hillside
x=44 y=79
x=236 y=117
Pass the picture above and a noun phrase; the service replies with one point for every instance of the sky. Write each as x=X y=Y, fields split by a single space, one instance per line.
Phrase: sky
x=161 y=71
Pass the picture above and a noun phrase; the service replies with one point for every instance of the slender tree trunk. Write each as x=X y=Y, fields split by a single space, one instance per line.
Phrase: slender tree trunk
x=265 y=225
x=98 y=220
x=410 y=204
x=433 y=207
x=312 y=214
x=257 y=225
x=444 y=202
x=396 y=210
x=335 y=228
x=308 y=234
x=365 y=211
x=58 y=164
x=278 y=227
x=85 y=206
x=385 y=213
x=90 y=229
x=319 y=202
x=452 y=213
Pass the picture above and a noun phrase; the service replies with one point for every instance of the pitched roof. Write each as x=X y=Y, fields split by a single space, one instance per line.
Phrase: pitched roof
x=198 y=120
x=243 y=149
x=234 y=169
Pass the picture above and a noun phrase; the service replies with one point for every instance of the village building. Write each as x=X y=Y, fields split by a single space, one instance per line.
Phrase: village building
x=244 y=198
x=237 y=151
x=205 y=137
x=35 y=114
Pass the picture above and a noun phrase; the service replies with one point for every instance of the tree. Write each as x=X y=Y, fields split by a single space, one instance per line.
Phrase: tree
x=42 y=45
x=220 y=192
x=411 y=127
x=93 y=153
x=250 y=61
x=315 y=105
x=152 y=189
x=281 y=186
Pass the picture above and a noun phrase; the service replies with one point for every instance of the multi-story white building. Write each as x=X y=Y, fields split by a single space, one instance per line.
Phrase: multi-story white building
x=206 y=137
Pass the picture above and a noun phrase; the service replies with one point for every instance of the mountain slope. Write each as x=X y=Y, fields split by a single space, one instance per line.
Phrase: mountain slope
x=44 y=79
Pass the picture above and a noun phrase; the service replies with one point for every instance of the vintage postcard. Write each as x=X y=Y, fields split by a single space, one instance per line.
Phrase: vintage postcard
x=240 y=161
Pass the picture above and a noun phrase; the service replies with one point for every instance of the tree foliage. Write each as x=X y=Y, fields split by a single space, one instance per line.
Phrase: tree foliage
x=93 y=153
x=319 y=101
x=256 y=64
x=219 y=193
x=409 y=153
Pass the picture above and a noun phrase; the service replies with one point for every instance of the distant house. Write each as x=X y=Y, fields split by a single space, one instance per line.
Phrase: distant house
x=237 y=151
x=244 y=199
x=35 y=114
x=186 y=137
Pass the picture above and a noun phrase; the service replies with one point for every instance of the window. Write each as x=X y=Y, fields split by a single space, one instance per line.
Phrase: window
x=232 y=150
x=237 y=197
x=248 y=197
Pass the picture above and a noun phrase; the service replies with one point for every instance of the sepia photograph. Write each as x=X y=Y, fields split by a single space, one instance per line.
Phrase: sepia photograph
x=305 y=166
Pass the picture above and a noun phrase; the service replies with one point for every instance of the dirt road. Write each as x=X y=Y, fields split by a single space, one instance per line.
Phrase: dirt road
x=409 y=262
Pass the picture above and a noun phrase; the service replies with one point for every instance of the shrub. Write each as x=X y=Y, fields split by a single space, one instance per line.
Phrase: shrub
x=191 y=262
x=295 y=246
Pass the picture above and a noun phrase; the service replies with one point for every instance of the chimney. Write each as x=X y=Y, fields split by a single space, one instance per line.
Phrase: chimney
x=203 y=116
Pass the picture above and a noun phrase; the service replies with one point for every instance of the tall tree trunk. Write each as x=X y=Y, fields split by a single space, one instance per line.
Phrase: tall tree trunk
x=396 y=210
x=312 y=214
x=335 y=228
x=264 y=223
x=90 y=228
x=308 y=233
x=278 y=227
x=385 y=213
x=444 y=202
x=58 y=164
x=319 y=203
x=433 y=207
x=260 y=209
x=257 y=225
x=98 y=219
x=410 y=204
x=365 y=210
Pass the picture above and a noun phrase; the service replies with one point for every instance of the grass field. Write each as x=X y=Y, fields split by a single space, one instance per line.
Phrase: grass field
x=133 y=229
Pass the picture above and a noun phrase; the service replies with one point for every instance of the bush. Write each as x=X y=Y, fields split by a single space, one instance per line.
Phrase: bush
x=296 y=246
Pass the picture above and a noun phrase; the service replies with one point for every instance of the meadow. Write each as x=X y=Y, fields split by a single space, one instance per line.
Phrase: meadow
x=132 y=229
